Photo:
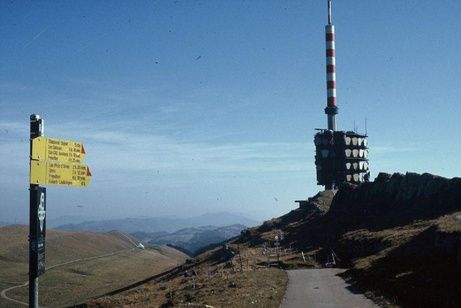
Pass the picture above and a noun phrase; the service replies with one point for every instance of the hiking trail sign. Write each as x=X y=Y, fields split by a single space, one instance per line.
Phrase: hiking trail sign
x=58 y=162
x=59 y=173
x=52 y=161
x=56 y=149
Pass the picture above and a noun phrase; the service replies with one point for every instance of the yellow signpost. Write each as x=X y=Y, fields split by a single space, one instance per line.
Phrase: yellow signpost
x=58 y=162
x=56 y=149
x=52 y=161
x=59 y=173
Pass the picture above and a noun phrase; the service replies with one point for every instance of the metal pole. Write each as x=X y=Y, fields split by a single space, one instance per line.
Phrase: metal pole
x=36 y=130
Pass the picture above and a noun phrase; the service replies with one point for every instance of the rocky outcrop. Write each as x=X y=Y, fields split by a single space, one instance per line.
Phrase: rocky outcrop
x=320 y=203
x=409 y=195
x=412 y=185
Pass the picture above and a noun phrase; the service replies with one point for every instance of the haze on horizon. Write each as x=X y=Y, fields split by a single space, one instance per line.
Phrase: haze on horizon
x=192 y=107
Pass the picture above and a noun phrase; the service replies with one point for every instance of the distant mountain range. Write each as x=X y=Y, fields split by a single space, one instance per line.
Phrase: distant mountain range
x=168 y=224
x=67 y=220
x=191 y=239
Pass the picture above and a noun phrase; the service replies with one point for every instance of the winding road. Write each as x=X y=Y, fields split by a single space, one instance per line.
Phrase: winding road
x=315 y=288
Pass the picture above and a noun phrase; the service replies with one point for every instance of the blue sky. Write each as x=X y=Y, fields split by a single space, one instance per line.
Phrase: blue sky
x=188 y=107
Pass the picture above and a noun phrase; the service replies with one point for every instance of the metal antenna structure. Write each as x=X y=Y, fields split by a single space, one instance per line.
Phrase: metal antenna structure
x=331 y=110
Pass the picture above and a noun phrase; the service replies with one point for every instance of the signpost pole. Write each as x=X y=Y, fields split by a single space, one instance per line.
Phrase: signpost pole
x=36 y=130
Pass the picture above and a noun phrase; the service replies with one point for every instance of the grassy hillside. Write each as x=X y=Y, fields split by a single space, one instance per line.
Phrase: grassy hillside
x=96 y=263
x=218 y=278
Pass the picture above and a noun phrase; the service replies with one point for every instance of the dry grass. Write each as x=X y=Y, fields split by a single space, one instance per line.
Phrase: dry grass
x=258 y=288
x=61 y=246
x=174 y=254
x=239 y=281
x=74 y=283
x=450 y=223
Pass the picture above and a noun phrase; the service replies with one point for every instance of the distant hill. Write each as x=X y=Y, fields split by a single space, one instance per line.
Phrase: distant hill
x=60 y=245
x=70 y=219
x=192 y=239
x=79 y=265
x=159 y=224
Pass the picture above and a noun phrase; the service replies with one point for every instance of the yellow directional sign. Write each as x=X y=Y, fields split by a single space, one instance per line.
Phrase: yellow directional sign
x=59 y=173
x=56 y=149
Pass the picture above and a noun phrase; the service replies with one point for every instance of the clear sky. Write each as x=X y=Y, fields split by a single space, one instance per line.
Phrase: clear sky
x=187 y=107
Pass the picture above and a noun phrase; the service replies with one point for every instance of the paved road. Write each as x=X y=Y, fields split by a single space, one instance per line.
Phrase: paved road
x=315 y=288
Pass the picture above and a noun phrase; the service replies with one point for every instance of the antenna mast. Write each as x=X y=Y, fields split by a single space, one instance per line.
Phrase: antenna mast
x=331 y=110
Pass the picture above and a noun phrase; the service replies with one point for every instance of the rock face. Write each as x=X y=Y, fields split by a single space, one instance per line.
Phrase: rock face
x=410 y=196
x=319 y=203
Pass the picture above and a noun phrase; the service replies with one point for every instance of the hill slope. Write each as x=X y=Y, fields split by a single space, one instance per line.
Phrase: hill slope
x=400 y=235
x=95 y=263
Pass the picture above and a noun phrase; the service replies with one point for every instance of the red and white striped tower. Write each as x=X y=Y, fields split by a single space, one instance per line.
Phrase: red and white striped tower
x=331 y=110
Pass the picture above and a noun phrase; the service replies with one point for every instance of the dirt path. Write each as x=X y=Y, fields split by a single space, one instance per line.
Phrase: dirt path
x=4 y=296
x=321 y=288
x=3 y=293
